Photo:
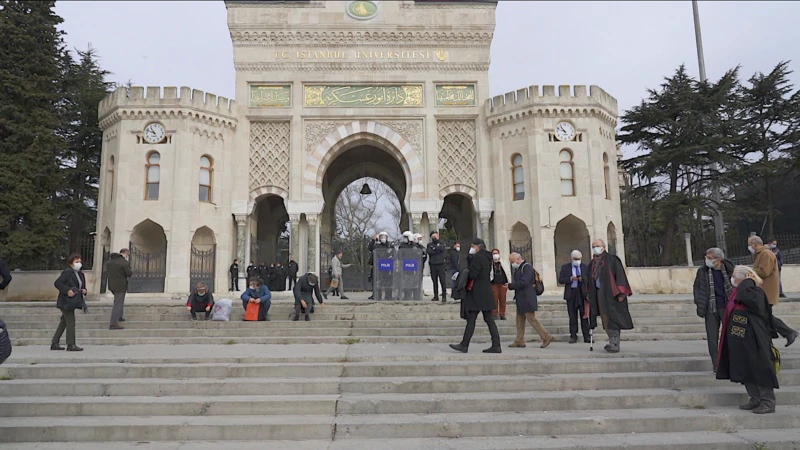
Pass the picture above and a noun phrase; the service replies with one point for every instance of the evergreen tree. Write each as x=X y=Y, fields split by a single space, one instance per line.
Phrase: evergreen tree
x=83 y=86
x=29 y=174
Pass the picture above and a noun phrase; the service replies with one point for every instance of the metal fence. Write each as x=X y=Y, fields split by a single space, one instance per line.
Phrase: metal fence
x=58 y=261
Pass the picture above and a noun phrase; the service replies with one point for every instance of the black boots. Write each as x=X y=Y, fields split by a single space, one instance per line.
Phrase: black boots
x=74 y=348
x=459 y=348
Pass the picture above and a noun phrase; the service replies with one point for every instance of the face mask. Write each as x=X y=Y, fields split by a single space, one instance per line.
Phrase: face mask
x=77 y=266
x=383 y=240
x=515 y=265
x=253 y=287
x=733 y=282
x=201 y=294
x=457 y=248
x=710 y=263
x=472 y=251
x=597 y=250
x=773 y=246
x=496 y=257
x=312 y=284
x=576 y=262
x=751 y=249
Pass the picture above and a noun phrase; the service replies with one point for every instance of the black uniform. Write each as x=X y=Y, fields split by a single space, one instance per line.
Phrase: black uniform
x=435 y=251
x=234 y=271
x=252 y=271
x=293 y=269
x=385 y=293
x=408 y=293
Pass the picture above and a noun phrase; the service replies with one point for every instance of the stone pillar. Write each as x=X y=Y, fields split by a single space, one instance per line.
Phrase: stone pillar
x=688 y=238
x=294 y=238
x=313 y=242
x=433 y=221
x=416 y=219
x=241 y=245
x=485 y=216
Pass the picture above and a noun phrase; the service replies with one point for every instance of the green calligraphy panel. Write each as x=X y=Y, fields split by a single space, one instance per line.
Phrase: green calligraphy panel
x=456 y=95
x=363 y=96
x=270 y=95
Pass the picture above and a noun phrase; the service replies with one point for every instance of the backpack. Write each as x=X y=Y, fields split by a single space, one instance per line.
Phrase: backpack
x=538 y=284
x=5 y=342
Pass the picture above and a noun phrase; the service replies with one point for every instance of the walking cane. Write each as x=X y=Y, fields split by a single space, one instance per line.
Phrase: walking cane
x=591 y=339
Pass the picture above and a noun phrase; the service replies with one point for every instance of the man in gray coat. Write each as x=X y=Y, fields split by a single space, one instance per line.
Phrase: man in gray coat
x=118 y=271
x=336 y=274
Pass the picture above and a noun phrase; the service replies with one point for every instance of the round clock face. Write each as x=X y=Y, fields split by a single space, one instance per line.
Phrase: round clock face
x=154 y=133
x=565 y=131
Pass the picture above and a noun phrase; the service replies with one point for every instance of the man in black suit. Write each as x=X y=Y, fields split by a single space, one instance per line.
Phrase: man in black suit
x=574 y=294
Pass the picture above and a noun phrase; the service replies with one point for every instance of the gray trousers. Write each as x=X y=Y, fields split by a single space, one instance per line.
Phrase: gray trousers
x=713 y=322
x=67 y=323
x=117 y=309
x=340 y=288
x=763 y=395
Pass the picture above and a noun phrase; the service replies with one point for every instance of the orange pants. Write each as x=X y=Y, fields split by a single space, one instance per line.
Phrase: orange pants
x=499 y=291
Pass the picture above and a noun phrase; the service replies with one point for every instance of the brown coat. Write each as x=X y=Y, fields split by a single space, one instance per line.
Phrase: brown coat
x=766 y=266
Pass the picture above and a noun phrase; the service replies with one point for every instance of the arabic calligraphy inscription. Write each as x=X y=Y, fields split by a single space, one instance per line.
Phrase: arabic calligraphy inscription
x=363 y=96
x=451 y=95
x=270 y=95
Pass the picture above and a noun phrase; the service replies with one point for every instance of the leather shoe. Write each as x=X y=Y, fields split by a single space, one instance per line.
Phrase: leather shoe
x=587 y=340
x=56 y=347
x=764 y=409
x=791 y=338
x=493 y=350
x=295 y=318
x=573 y=339
x=751 y=405
x=308 y=319
x=74 y=348
x=116 y=327
x=517 y=345
x=344 y=297
x=121 y=319
x=459 y=348
x=547 y=341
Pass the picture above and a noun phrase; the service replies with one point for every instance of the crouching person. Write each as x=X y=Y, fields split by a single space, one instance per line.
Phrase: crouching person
x=200 y=300
x=259 y=294
x=306 y=288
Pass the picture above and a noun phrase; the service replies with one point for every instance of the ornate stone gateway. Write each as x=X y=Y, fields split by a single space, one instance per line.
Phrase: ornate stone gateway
x=201 y=267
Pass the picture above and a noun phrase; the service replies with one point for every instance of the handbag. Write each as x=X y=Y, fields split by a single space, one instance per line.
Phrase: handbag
x=74 y=302
x=251 y=313
x=334 y=282
x=776 y=358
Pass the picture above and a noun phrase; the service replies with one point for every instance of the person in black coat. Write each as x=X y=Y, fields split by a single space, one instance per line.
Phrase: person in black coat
x=436 y=254
x=745 y=354
x=608 y=292
x=280 y=282
x=479 y=297
x=527 y=301
x=71 y=285
x=571 y=276
x=292 y=269
x=306 y=288
x=712 y=287
x=454 y=263
x=263 y=272
x=200 y=300
x=5 y=274
x=234 y=271
x=252 y=270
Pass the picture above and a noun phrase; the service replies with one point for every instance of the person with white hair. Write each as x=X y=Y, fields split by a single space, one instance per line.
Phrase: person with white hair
x=712 y=287
x=745 y=347
x=608 y=292
x=571 y=276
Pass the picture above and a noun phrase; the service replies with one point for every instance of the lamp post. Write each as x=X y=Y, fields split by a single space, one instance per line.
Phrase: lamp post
x=719 y=222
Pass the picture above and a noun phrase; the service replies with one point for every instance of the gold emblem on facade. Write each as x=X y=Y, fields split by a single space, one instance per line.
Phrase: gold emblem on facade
x=362 y=10
x=441 y=54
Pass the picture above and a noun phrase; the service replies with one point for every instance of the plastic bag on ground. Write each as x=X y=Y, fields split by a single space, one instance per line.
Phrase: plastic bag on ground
x=222 y=310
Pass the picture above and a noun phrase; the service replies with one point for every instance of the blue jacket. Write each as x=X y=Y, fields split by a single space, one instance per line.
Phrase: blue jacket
x=262 y=292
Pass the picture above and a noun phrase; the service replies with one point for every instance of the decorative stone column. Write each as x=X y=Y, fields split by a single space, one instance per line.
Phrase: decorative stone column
x=241 y=223
x=485 y=216
x=312 y=242
x=433 y=221
x=416 y=219
x=295 y=236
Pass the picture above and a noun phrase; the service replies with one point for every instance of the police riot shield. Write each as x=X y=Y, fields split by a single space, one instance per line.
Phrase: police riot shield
x=408 y=274
x=383 y=274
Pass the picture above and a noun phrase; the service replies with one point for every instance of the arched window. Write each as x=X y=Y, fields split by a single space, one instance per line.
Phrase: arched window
x=607 y=175
x=110 y=179
x=153 y=177
x=567 y=170
x=517 y=177
x=206 y=169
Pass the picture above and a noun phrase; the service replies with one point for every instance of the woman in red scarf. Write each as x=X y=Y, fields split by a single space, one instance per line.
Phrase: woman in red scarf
x=744 y=351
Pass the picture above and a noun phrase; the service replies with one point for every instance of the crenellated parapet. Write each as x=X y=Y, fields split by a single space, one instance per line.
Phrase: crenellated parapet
x=570 y=100
x=138 y=101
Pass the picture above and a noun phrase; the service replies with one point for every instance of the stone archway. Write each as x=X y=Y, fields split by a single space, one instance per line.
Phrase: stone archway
x=611 y=238
x=571 y=234
x=521 y=241
x=148 y=245
x=269 y=240
x=202 y=263
x=365 y=132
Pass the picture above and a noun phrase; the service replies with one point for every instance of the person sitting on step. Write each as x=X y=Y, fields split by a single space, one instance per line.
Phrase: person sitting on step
x=256 y=292
x=200 y=300
x=306 y=288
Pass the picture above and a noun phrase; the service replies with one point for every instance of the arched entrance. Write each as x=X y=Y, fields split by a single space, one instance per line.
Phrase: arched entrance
x=269 y=240
x=611 y=238
x=148 y=245
x=202 y=263
x=521 y=241
x=458 y=212
x=571 y=234
x=350 y=218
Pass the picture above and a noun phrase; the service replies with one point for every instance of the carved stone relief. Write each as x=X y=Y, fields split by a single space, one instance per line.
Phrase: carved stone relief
x=269 y=154
x=410 y=130
x=457 y=153
x=317 y=130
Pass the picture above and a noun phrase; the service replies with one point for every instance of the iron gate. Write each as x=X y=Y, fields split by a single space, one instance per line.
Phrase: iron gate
x=201 y=267
x=525 y=249
x=103 y=271
x=356 y=277
x=149 y=270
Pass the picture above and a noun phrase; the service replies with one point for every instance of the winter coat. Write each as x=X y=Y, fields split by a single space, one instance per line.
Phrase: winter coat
x=5 y=274
x=304 y=291
x=197 y=301
x=455 y=258
x=68 y=281
x=703 y=298
x=480 y=297
x=744 y=347
x=293 y=269
x=524 y=291
x=435 y=252
x=765 y=264
x=118 y=271
x=607 y=295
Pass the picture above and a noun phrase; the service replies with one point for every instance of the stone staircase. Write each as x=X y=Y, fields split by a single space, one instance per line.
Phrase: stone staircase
x=375 y=376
